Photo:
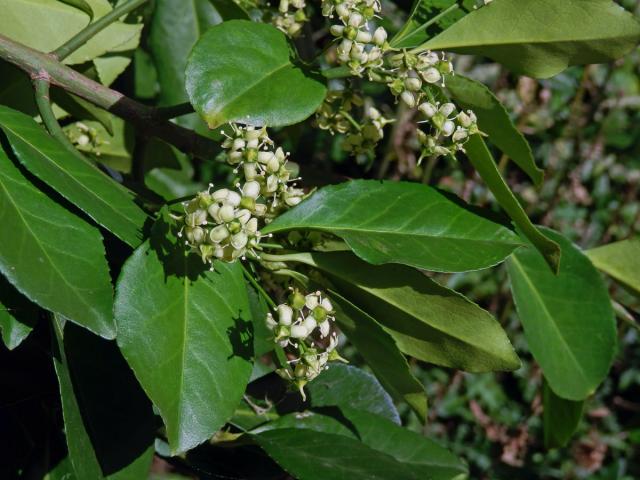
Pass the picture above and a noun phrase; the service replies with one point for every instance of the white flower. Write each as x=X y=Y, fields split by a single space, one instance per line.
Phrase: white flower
x=285 y=314
x=299 y=331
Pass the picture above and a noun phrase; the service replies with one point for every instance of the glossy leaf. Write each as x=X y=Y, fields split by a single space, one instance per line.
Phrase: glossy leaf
x=402 y=222
x=311 y=455
x=568 y=319
x=18 y=316
x=106 y=201
x=561 y=418
x=348 y=386
x=241 y=71
x=186 y=333
x=381 y=354
x=494 y=120
x=81 y=5
x=175 y=28
x=540 y=38
x=483 y=162
x=621 y=260
x=427 y=15
x=35 y=23
x=423 y=455
x=51 y=256
x=109 y=422
x=427 y=321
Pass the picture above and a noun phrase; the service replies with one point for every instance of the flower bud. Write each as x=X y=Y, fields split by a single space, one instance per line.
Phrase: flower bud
x=220 y=195
x=408 y=98
x=195 y=235
x=311 y=301
x=380 y=36
x=447 y=109
x=355 y=19
x=427 y=109
x=218 y=234
x=448 y=128
x=285 y=314
x=459 y=135
x=233 y=198
x=431 y=75
x=239 y=240
x=413 y=84
x=326 y=304
x=226 y=213
x=310 y=323
x=336 y=30
x=299 y=331
x=251 y=189
x=325 y=328
x=363 y=37
x=252 y=226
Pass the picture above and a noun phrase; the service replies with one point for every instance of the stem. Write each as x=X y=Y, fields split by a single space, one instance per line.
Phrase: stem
x=426 y=25
x=41 y=87
x=337 y=72
x=258 y=287
x=91 y=30
x=173 y=111
x=351 y=120
x=145 y=118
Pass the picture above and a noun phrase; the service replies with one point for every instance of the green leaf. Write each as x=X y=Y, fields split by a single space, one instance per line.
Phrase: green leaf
x=186 y=333
x=561 y=418
x=425 y=14
x=402 y=222
x=426 y=320
x=18 y=316
x=381 y=354
x=483 y=162
x=35 y=23
x=241 y=71
x=109 y=422
x=621 y=260
x=262 y=336
x=494 y=120
x=107 y=202
x=348 y=386
x=80 y=5
x=423 y=455
x=51 y=256
x=540 y=38
x=311 y=455
x=568 y=319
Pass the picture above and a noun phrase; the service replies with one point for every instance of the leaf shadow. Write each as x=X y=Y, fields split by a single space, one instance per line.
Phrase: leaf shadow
x=241 y=337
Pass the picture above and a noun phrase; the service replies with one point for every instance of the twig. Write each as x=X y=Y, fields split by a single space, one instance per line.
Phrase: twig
x=141 y=116
x=43 y=102
x=173 y=111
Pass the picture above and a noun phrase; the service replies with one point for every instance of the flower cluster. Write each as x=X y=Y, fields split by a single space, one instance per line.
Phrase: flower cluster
x=252 y=152
x=304 y=327
x=407 y=75
x=449 y=129
x=336 y=115
x=223 y=225
x=411 y=71
x=290 y=17
x=359 y=48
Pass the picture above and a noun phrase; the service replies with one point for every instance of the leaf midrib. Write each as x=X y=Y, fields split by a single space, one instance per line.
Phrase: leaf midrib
x=41 y=247
x=539 y=300
x=67 y=175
